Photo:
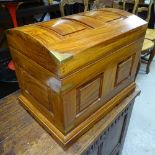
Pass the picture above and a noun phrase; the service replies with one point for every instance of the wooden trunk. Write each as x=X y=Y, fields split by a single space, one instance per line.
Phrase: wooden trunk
x=74 y=70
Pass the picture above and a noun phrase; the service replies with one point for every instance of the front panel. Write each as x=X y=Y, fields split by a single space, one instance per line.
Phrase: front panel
x=98 y=83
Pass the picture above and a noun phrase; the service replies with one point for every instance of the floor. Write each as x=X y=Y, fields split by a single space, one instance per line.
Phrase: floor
x=140 y=138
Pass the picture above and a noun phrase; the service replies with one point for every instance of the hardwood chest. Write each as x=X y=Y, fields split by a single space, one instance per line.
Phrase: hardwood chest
x=72 y=71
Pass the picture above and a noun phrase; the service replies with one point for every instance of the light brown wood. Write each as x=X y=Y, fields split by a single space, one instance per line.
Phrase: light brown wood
x=21 y=134
x=148 y=44
x=124 y=70
x=150 y=34
x=89 y=93
x=148 y=52
x=72 y=72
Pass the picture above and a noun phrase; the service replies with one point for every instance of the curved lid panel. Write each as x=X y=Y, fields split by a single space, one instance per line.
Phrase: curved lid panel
x=65 y=39
x=63 y=26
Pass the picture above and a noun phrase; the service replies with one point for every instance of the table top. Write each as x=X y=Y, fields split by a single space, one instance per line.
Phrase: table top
x=21 y=134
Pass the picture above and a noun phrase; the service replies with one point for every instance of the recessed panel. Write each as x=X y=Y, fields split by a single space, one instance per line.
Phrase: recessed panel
x=123 y=70
x=89 y=93
x=37 y=90
x=88 y=21
x=64 y=26
x=108 y=16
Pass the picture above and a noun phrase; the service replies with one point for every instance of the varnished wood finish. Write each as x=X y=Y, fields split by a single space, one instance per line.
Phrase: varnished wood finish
x=21 y=134
x=74 y=70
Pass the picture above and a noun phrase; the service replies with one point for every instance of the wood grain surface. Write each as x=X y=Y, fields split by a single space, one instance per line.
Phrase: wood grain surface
x=20 y=134
x=73 y=70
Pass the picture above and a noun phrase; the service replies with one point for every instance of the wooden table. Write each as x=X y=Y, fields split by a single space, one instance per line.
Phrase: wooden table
x=21 y=134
